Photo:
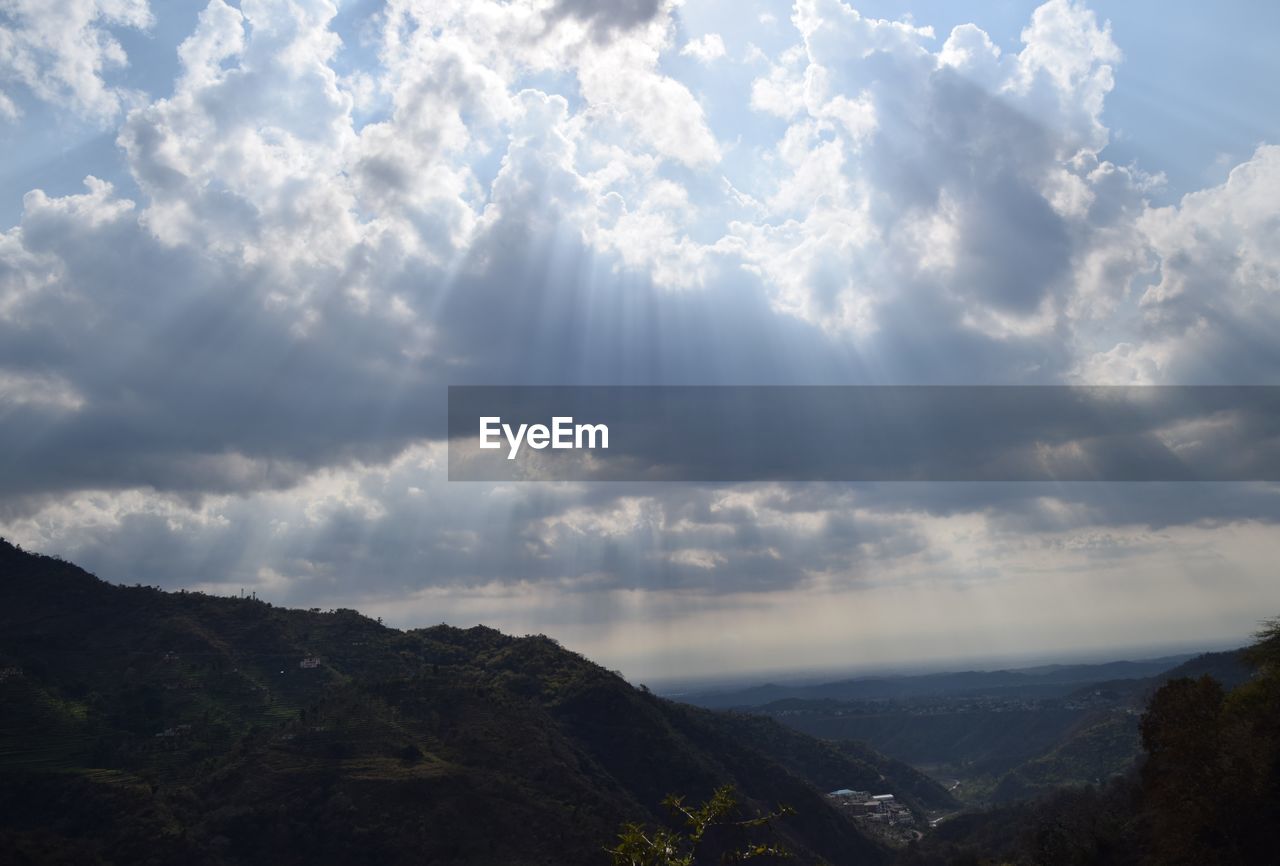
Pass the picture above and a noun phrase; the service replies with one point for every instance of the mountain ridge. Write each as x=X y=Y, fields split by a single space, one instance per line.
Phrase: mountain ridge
x=223 y=728
x=958 y=683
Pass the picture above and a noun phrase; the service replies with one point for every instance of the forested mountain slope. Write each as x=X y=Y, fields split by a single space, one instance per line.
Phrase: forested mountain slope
x=138 y=725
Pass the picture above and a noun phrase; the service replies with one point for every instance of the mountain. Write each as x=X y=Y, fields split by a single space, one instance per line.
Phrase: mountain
x=1204 y=790
x=998 y=736
x=1040 y=681
x=1106 y=742
x=969 y=739
x=144 y=726
x=833 y=764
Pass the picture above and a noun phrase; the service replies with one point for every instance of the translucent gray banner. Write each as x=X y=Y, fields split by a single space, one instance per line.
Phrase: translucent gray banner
x=865 y=433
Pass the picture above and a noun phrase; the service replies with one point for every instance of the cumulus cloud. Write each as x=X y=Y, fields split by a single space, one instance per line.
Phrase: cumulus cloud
x=965 y=179
x=64 y=53
x=1214 y=306
x=608 y=17
x=705 y=49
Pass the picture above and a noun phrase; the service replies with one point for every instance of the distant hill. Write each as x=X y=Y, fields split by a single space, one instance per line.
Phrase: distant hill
x=964 y=738
x=1040 y=681
x=1106 y=743
x=830 y=765
x=996 y=736
x=143 y=726
x=1205 y=789
x=1228 y=668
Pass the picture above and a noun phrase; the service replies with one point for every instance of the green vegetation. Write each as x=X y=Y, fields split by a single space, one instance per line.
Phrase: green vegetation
x=1096 y=751
x=968 y=737
x=1008 y=744
x=138 y=726
x=142 y=726
x=706 y=827
x=1206 y=792
x=834 y=764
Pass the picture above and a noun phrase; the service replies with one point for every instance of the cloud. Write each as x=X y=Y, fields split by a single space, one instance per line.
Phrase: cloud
x=705 y=49
x=1214 y=302
x=609 y=17
x=962 y=179
x=63 y=53
x=1064 y=71
x=664 y=564
x=622 y=79
x=229 y=364
x=922 y=216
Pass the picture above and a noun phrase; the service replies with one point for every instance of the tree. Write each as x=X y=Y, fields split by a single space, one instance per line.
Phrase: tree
x=1211 y=781
x=1182 y=778
x=709 y=827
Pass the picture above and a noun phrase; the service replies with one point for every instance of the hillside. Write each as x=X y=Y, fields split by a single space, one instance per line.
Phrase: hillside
x=141 y=725
x=1106 y=743
x=1020 y=735
x=834 y=764
x=1204 y=790
x=962 y=739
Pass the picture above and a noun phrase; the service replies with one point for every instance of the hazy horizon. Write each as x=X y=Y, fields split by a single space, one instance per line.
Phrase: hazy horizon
x=675 y=688
x=832 y=671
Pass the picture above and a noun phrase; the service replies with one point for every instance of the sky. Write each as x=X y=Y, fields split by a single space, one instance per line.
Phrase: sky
x=244 y=249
